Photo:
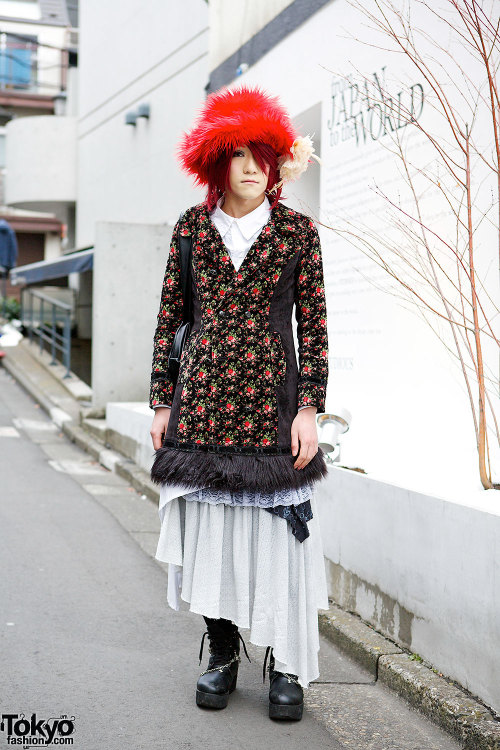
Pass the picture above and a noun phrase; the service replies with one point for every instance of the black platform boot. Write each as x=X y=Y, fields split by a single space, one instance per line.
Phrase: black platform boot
x=219 y=679
x=286 y=697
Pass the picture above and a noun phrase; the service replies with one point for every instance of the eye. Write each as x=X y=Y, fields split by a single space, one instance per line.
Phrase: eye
x=239 y=152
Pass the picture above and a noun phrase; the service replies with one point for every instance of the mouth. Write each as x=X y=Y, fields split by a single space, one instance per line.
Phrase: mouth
x=252 y=182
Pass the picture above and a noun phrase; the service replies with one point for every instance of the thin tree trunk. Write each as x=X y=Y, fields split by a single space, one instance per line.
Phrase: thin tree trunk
x=481 y=444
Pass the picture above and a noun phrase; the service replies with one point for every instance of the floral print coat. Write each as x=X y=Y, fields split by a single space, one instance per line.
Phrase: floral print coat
x=239 y=385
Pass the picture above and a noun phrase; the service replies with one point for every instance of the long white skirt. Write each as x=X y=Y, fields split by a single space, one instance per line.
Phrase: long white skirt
x=243 y=563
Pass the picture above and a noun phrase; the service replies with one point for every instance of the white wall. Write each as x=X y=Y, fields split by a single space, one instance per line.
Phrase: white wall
x=304 y=194
x=129 y=265
x=52 y=246
x=41 y=161
x=234 y=22
x=30 y=10
x=394 y=362
x=131 y=53
x=425 y=571
x=72 y=92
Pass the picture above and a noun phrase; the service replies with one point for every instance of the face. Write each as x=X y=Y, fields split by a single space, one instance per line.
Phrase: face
x=246 y=179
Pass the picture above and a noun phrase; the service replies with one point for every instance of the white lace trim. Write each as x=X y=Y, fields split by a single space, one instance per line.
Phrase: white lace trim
x=251 y=497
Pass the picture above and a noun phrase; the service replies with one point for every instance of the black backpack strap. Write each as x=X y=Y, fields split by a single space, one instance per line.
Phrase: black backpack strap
x=185 y=244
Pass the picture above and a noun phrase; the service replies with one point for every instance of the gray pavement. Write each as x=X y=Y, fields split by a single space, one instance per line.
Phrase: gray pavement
x=87 y=632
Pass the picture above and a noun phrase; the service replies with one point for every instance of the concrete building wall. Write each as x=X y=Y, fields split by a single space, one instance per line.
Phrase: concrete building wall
x=234 y=22
x=72 y=92
x=29 y=11
x=52 y=246
x=130 y=53
x=129 y=265
x=421 y=569
x=41 y=162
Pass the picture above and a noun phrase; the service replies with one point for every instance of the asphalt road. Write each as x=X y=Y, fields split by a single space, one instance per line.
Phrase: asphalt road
x=87 y=633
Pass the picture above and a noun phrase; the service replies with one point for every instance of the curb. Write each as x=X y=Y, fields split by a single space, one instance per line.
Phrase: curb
x=443 y=702
x=110 y=459
x=124 y=467
x=57 y=415
x=440 y=700
x=73 y=385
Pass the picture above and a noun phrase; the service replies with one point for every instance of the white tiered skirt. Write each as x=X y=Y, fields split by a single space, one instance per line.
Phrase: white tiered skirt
x=243 y=563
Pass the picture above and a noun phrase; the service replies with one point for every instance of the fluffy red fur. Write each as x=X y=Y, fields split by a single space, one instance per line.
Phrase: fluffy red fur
x=231 y=118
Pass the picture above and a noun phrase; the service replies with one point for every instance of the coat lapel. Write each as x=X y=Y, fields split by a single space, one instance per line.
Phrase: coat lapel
x=264 y=256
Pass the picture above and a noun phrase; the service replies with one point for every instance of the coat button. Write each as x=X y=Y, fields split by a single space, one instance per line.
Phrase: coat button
x=248 y=314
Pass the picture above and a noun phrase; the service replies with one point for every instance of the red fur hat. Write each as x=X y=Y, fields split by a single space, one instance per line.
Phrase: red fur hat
x=233 y=117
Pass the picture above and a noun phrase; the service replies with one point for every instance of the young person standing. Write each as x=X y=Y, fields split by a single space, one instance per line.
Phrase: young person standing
x=235 y=439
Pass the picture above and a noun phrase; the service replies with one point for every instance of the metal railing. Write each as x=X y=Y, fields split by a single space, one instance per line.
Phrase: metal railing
x=42 y=320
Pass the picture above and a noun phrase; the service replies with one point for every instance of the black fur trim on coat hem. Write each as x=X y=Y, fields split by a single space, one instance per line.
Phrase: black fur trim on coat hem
x=234 y=472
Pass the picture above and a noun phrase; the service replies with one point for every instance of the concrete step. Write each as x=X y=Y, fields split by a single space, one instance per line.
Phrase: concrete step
x=76 y=388
x=96 y=427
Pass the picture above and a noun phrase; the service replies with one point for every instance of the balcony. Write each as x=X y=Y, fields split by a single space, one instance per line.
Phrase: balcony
x=41 y=164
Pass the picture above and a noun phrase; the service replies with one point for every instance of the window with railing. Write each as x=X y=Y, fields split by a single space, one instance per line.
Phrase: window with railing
x=18 y=61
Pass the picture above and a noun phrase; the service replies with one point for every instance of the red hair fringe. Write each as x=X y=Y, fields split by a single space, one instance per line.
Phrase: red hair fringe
x=218 y=177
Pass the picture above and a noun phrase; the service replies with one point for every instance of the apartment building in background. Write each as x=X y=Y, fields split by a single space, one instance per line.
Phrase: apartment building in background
x=38 y=56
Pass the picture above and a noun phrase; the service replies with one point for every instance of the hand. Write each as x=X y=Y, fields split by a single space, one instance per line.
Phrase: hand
x=304 y=431
x=159 y=426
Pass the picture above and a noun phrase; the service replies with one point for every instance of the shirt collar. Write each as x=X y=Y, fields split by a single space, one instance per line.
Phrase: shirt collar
x=248 y=224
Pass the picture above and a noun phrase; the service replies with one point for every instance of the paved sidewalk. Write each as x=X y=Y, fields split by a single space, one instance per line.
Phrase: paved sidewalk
x=87 y=630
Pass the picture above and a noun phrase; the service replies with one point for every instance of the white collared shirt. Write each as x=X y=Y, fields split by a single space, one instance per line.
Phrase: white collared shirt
x=239 y=235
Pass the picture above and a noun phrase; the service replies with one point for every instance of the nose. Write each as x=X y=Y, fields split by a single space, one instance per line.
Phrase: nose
x=250 y=165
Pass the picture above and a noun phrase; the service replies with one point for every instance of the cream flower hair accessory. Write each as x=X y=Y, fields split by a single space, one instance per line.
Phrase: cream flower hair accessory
x=290 y=168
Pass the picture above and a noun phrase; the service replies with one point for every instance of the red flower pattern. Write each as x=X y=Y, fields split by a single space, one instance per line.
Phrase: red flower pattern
x=253 y=355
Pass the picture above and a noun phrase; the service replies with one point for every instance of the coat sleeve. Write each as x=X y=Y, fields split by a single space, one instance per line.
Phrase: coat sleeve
x=168 y=320
x=310 y=313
